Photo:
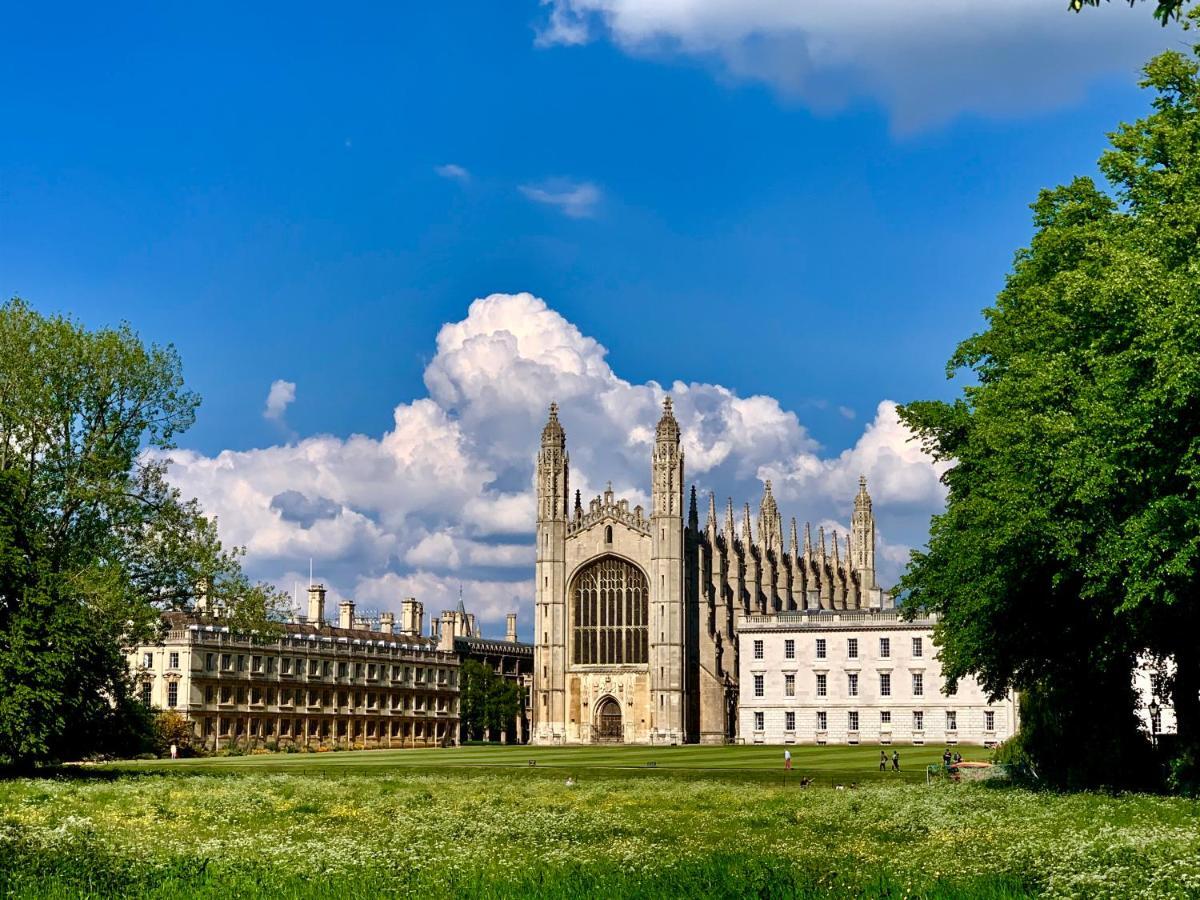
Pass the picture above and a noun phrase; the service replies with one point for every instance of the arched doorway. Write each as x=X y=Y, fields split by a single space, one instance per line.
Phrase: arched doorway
x=608 y=722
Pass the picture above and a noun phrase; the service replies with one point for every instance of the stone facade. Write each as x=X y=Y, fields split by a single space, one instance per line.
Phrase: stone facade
x=637 y=613
x=313 y=684
x=856 y=676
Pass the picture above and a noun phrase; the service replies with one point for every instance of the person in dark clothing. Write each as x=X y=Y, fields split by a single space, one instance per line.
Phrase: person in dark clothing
x=946 y=757
x=895 y=760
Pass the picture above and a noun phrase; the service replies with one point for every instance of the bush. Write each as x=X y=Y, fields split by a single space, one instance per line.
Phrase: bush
x=170 y=727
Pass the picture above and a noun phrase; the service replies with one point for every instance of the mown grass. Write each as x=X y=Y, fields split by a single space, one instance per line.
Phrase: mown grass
x=828 y=765
x=342 y=825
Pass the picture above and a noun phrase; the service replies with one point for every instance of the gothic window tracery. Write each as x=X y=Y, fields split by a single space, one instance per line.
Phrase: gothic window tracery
x=610 y=604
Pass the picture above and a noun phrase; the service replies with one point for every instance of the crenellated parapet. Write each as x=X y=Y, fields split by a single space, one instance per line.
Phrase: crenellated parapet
x=606 y=508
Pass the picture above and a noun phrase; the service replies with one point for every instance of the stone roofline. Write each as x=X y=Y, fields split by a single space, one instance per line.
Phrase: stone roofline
x=182 y=624
x=835 y=620
x=604 y=507
x=490 y=645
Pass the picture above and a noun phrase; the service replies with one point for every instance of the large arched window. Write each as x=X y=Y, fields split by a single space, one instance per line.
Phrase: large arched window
x=611 y=604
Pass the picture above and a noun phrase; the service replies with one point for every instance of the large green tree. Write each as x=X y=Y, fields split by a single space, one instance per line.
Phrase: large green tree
x=94 y=542
x=488 y=702
x=1071 y=538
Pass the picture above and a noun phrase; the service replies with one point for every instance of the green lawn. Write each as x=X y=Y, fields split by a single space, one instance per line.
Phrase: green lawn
x=584 y=822
x=826 y=765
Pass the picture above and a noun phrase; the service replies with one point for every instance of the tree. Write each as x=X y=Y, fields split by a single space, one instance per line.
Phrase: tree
x=1164 y=10
x=171 y=727
x=488 y=702
x=94 y=542
x=1071 y=538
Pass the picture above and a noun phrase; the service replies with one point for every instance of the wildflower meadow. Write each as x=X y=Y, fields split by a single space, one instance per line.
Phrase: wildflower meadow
x=483 y=831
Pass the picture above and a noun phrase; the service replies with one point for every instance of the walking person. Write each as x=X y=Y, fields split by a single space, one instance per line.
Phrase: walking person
x=895 y=760
x=946 y=758
x=787 y=760
x=882 y=760
x=174 y=751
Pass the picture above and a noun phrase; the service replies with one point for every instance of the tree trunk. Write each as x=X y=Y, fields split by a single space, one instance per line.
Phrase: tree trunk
x=1185 y=698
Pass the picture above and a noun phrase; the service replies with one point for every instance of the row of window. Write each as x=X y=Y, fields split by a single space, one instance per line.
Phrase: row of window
x=325 y=668
x=885 y=720
x=287 y=697
x=822 y=684
x=321 y=729
x=342 y=699
x=822 y=648
x=316 y=668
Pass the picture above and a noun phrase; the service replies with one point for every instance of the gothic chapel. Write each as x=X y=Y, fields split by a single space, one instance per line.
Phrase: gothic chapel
x=637 y=616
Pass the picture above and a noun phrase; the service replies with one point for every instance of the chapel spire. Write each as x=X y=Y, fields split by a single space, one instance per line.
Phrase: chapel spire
x=862 y=531
x=769 y=526
x=667 y=465
x=553 y=470
x=553 y=434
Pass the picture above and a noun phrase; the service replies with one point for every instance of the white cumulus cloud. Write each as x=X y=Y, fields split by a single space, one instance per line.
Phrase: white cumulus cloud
x=925 y=62
x=279 y=398
x=445 y=496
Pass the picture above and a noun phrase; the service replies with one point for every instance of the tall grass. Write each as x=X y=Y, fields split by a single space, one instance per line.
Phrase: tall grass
x=485 y=833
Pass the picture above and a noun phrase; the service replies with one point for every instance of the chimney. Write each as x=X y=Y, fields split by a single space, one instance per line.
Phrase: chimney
x=316 y=604
x=449 y=630
x=510 y=628
x=387 y=622
x=435 y=625
x=412 y=615
x=470 y=630
x=346 y=614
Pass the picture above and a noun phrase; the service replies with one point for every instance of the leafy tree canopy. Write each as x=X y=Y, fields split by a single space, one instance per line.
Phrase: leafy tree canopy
x=94 y=542
x=1164 y=10
x=1071 y=538
x=488 y=702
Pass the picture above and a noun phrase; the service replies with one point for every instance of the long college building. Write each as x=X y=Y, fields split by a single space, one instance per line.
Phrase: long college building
x=315 y=683
x=650 y=628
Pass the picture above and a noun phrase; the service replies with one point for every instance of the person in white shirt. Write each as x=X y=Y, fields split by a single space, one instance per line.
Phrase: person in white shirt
x=787 y=760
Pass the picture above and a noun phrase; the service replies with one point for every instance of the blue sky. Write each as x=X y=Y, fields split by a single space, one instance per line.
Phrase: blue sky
x=810 y=209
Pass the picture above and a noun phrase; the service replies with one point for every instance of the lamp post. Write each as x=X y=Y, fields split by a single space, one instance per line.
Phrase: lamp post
x=1153 y=708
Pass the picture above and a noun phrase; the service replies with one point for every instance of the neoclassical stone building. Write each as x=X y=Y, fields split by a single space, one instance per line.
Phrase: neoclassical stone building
x=637 y=612
x=348 y=683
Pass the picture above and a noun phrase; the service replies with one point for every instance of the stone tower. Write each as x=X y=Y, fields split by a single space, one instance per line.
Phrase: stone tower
x=667 y=663
x=550 y=614
x=862 y=538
